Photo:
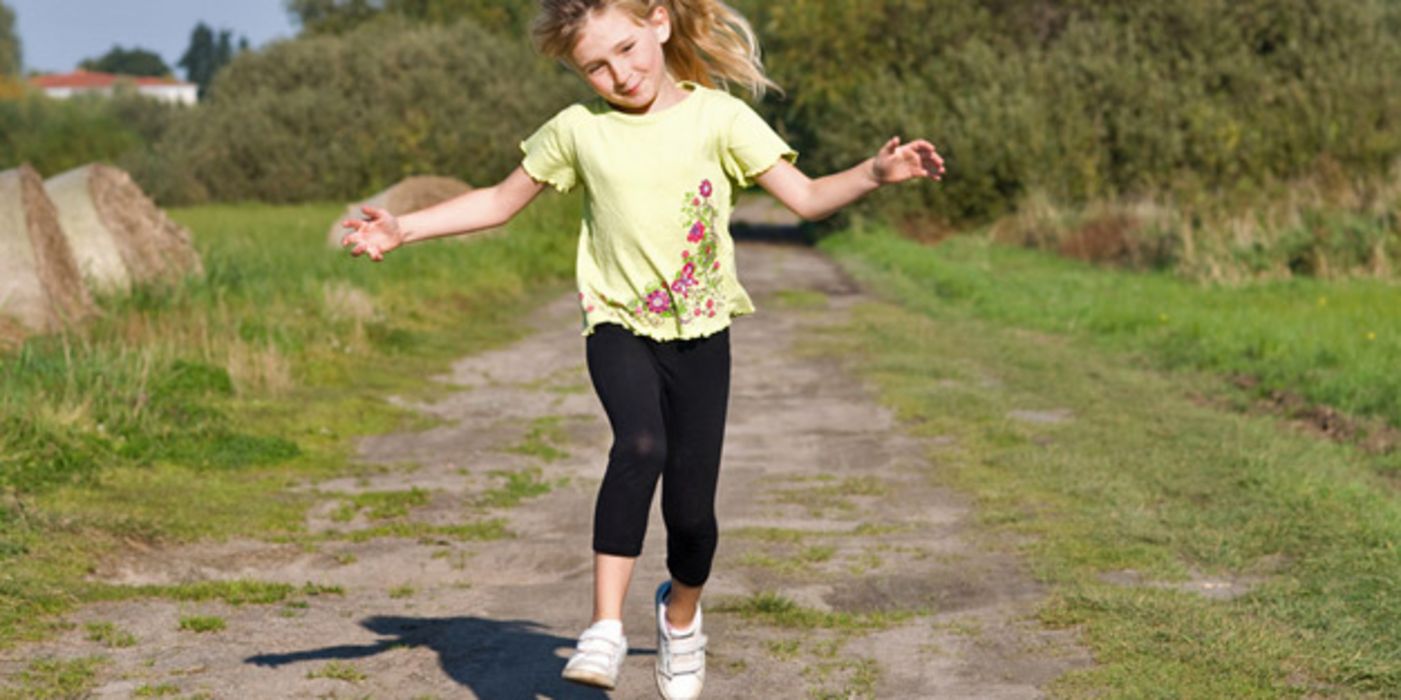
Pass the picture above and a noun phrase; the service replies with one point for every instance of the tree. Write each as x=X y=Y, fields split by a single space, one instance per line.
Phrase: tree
x=133 y=61
x=509 y=17
x=207 y=54
x=10 y=55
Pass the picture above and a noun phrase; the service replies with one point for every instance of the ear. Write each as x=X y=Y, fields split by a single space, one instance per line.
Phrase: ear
x=660 y=20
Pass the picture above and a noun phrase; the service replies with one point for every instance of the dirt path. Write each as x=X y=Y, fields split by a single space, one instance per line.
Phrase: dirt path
x=824 y=502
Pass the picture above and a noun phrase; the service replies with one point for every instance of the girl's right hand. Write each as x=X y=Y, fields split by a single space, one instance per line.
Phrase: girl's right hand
x=377 y=235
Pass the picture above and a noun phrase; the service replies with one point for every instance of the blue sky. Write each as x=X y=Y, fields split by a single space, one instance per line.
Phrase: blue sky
x=57 y=34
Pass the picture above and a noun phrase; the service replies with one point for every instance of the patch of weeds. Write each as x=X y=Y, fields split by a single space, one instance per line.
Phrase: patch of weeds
x=339 y=671
x=156 y=691
x=868 y=561
x=318 y=589
x=52 y=679
x=798 y=563
x=801 y=299
x=859 y=677
x=518 y=486
x=201 y=624
x=381 y=505
x=346 y=558
x=833 y=495
x=878 y=529
x=231 y=592
x=400 y=592
x=773 y=534
x=784 y=649
x=294 y=608
x=107 y=634
x=778 y=611
x=541 y=440
x=486 y=530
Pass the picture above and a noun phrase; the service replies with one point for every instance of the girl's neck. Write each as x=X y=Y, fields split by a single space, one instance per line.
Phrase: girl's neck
x=669 y=95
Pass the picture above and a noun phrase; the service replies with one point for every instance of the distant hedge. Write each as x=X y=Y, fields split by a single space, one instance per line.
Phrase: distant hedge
x=1084 y=100
x=338 y=116
x=56 y=135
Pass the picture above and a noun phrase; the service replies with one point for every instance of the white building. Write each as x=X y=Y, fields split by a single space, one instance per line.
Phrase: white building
x=85 y=82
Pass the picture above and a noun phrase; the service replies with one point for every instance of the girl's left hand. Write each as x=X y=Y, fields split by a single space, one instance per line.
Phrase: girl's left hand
x=896 y=163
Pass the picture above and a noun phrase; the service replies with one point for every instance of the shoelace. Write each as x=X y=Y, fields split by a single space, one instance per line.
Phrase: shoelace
x=685 y=655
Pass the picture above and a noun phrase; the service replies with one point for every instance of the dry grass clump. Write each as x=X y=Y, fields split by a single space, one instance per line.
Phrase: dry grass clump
x=1326 y=226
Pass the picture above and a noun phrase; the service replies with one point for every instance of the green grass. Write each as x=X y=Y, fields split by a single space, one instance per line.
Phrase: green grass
x=202 y=623
x=1142 y=478
x=545 y=432
x=1333 y=342
x=517 y=486
x=775 y=610
x=381 y=505
x=52 y=679
x=186 y=412
x=340 y=671
x=109 y=635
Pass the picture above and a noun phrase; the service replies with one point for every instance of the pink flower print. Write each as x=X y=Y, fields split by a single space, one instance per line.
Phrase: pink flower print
x=699 y=312
x=589 y=309
x=705 y=188
x=712 y=313
x=716 y=266
x=685 y=254
x=697 y=232
x=688 y=271
x=695 y=201
x=581 y=296
x=679 y=286
x=658 y=301
x=709 y=303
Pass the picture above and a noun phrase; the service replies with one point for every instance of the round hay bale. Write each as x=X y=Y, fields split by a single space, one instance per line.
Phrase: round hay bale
x=410 y=195
x=40 y=286
x=118 y=235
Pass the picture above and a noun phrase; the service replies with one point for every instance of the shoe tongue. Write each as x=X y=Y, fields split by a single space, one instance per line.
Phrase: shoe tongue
x=611 y=628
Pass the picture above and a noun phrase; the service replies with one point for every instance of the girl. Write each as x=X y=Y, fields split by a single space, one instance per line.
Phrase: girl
x=661 y=154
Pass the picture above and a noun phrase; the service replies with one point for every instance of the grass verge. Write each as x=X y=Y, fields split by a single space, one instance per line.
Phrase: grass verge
x=1137 y=479
x=187 y=412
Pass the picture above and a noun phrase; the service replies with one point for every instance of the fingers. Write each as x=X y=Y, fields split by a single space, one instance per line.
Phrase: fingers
x=375 y=213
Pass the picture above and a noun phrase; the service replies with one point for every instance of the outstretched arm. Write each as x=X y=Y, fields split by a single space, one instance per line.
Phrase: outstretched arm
x=820 y=198
x=474 y=211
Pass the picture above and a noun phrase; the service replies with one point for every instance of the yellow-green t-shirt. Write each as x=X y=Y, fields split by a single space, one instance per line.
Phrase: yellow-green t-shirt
x=655 y=253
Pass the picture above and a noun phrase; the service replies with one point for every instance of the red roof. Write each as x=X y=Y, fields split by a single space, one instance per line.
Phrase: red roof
x=85 y=79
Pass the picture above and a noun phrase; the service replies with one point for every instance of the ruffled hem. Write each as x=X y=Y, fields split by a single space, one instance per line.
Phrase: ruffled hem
x=659 y=335
x=560 y=185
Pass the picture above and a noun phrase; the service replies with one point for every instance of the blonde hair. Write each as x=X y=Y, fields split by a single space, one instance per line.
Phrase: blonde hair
x=710 y=42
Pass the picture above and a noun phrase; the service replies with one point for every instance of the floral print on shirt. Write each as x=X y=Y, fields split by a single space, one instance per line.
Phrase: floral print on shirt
x=694 y=291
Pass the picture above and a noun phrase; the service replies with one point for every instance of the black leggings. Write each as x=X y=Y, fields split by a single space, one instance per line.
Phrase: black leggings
x=666 y=402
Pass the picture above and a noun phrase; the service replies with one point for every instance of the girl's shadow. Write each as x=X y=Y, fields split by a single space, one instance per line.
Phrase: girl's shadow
x=496 y=660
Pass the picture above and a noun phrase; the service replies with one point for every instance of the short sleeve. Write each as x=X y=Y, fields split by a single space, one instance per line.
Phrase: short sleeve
x=751 y=146
x=550 y=154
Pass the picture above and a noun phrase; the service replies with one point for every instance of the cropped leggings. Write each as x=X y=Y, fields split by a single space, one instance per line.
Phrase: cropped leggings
x=666 y=402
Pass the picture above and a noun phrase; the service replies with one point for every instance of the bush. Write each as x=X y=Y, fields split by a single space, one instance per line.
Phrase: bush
x=56 y=135
x=1083 y=100
x=337 y=117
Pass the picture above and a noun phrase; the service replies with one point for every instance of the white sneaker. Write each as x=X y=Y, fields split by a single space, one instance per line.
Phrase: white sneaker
x=680 y=657
x=598 y=656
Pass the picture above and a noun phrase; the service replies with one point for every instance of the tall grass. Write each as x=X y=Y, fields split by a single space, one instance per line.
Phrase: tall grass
x=1336 y=342
x=277 y=317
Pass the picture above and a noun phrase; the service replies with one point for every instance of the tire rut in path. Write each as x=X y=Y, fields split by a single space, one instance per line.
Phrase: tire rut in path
x=824 y=501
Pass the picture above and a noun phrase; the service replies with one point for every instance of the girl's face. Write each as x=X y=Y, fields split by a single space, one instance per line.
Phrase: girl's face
x=621 y=57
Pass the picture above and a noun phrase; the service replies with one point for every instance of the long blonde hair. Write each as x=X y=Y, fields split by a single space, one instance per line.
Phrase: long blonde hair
x=710 y=43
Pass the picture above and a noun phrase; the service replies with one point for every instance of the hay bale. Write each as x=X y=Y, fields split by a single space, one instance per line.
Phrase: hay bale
x=410 y=195
x=40 y=286
x=118 y=235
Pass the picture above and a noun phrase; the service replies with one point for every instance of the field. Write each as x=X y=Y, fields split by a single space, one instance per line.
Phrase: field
x=1124 y=433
